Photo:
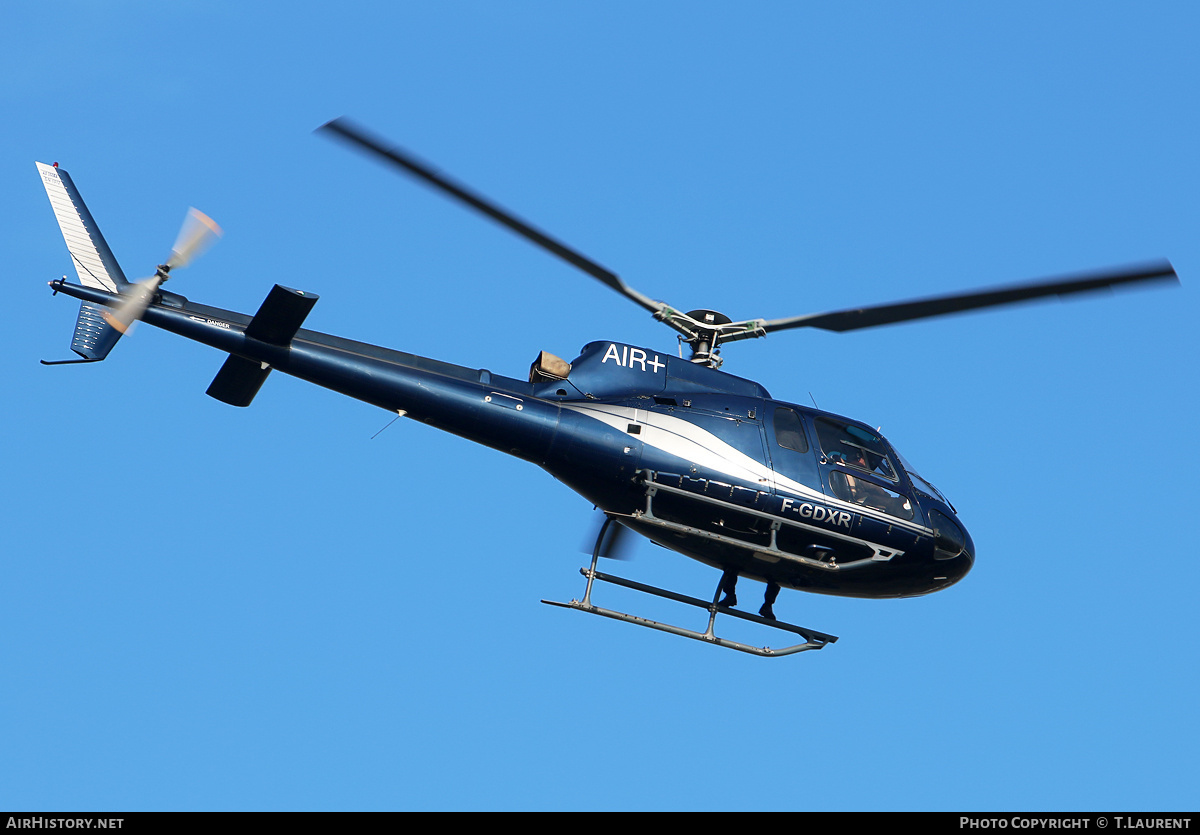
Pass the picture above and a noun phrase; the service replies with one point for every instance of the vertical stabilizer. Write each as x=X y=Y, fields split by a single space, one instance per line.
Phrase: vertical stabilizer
x=93 y=259
x=94 y=262
x=94 y=337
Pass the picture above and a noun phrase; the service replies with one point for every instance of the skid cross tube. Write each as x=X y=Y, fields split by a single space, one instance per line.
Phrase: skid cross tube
x=813 y=639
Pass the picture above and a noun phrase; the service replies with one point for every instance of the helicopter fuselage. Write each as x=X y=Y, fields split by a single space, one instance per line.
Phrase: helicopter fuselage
x=700 y=461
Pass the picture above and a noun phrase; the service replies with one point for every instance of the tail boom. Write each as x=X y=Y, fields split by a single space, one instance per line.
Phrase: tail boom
x=446 y=396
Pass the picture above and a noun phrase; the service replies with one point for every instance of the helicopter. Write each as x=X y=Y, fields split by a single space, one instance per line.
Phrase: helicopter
x=693 y=458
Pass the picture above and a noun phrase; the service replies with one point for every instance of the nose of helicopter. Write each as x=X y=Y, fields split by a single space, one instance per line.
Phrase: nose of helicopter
x=968 y=552
x=945 y=573
x=954 y=550
x=965 y=561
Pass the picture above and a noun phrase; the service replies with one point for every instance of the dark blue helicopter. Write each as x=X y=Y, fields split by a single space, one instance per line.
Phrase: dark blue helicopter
x=695 y=459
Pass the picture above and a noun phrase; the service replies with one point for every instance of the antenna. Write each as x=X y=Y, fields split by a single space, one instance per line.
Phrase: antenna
x=399 y=414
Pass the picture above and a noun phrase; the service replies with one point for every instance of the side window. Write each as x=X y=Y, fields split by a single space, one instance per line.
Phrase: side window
x=789 y=432
x=848 y=488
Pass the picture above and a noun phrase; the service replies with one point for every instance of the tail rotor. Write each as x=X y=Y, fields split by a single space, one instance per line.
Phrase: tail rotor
x=197 y=234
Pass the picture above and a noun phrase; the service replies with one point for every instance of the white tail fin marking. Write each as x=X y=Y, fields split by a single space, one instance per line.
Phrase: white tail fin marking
x=94 y=261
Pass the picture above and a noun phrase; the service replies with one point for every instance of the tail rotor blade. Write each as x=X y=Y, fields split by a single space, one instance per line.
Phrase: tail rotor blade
x=198 y=233
x=134 y=302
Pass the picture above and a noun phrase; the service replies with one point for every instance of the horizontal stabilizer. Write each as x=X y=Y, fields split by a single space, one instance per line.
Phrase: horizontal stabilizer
x=280 y=316
x=238 y=381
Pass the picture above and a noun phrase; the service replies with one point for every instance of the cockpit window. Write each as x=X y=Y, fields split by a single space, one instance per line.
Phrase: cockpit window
x=855 y=447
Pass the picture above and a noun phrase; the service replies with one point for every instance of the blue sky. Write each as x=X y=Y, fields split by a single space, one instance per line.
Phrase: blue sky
x=215 y=608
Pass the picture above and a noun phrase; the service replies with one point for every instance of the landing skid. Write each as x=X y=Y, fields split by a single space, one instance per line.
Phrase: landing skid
x=813 y=639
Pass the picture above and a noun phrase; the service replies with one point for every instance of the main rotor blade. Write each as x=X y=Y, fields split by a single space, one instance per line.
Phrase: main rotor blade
x=617 y=542
x=351 y=132
x=887 y=314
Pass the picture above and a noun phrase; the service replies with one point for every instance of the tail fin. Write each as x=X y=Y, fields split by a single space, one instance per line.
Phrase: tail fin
x=94 y=261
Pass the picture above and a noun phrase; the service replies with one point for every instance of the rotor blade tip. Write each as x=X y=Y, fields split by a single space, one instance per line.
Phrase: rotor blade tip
x=117 y=325
x=209 y=222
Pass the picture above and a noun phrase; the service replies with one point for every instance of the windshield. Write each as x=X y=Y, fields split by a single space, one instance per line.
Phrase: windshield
x=920 y=483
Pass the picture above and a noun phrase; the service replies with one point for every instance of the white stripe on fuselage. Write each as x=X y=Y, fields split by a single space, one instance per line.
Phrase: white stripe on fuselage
x=688 y=441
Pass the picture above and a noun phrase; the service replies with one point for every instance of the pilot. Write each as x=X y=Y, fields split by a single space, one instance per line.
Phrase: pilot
x=729 y=589
x=872 y=495
x=861 y=490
